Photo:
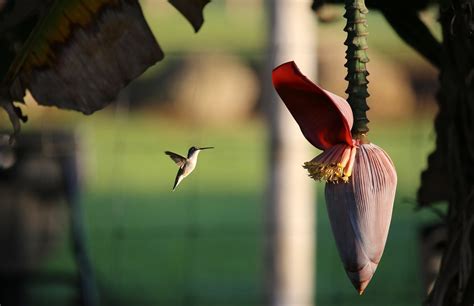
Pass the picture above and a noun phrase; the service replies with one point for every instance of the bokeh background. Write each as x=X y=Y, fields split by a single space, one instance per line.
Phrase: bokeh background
x=203 y=244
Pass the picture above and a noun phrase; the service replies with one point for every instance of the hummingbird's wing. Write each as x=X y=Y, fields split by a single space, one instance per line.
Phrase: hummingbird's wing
x=178 y=159
x=179 y=177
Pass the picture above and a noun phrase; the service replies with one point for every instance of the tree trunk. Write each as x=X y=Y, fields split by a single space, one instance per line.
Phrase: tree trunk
x=450 y=175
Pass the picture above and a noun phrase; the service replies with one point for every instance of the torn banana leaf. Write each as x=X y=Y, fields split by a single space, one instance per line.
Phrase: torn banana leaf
x=192 y=10
x=81 y=53
x=76 y=54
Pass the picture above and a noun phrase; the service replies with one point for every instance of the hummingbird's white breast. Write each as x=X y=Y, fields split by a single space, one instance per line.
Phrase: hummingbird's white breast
x=191 y=163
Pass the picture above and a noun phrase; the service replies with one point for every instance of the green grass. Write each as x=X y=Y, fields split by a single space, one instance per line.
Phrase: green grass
x=203 y=245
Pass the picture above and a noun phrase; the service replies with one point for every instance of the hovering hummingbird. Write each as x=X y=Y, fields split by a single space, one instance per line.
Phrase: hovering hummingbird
x=186 y=165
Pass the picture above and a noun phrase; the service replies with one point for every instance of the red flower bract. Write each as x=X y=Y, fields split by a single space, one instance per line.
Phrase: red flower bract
x=324 y=118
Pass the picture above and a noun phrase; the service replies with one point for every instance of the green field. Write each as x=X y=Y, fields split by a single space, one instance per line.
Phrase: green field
x=202 y=245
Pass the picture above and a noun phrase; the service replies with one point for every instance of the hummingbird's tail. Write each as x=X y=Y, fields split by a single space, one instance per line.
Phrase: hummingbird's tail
x=178 y=180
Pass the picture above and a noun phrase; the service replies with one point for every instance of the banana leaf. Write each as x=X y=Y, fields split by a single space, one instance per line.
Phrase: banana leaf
x=76 y=54
x=192 y=10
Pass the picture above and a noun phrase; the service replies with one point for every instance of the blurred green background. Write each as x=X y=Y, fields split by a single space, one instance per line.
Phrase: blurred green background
x=203 y=244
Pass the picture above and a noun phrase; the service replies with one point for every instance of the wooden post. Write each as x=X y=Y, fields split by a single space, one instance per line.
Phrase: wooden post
x=290 y=204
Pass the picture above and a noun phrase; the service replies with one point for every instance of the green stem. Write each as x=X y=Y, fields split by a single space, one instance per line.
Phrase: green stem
x=357 y=58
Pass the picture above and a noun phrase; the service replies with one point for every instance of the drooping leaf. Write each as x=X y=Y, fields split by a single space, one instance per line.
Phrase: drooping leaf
x=81 y=53
x=192 y=10
x=76 y=54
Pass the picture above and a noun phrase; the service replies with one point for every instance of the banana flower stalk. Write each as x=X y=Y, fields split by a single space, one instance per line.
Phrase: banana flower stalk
x=360 y=177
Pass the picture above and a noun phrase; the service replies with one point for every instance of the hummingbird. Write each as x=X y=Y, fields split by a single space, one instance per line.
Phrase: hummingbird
x=186 y=165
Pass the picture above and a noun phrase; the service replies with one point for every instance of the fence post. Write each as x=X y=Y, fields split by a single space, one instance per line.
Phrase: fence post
x=290 y=203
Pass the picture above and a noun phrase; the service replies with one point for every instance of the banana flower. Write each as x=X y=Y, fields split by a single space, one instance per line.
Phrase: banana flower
x=360 y=177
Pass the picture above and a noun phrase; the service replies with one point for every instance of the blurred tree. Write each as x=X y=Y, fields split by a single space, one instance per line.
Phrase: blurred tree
x=449 y=176
x=450 y=165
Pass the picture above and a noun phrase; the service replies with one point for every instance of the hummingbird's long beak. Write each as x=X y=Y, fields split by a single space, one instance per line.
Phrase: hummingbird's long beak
x=205 y=148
